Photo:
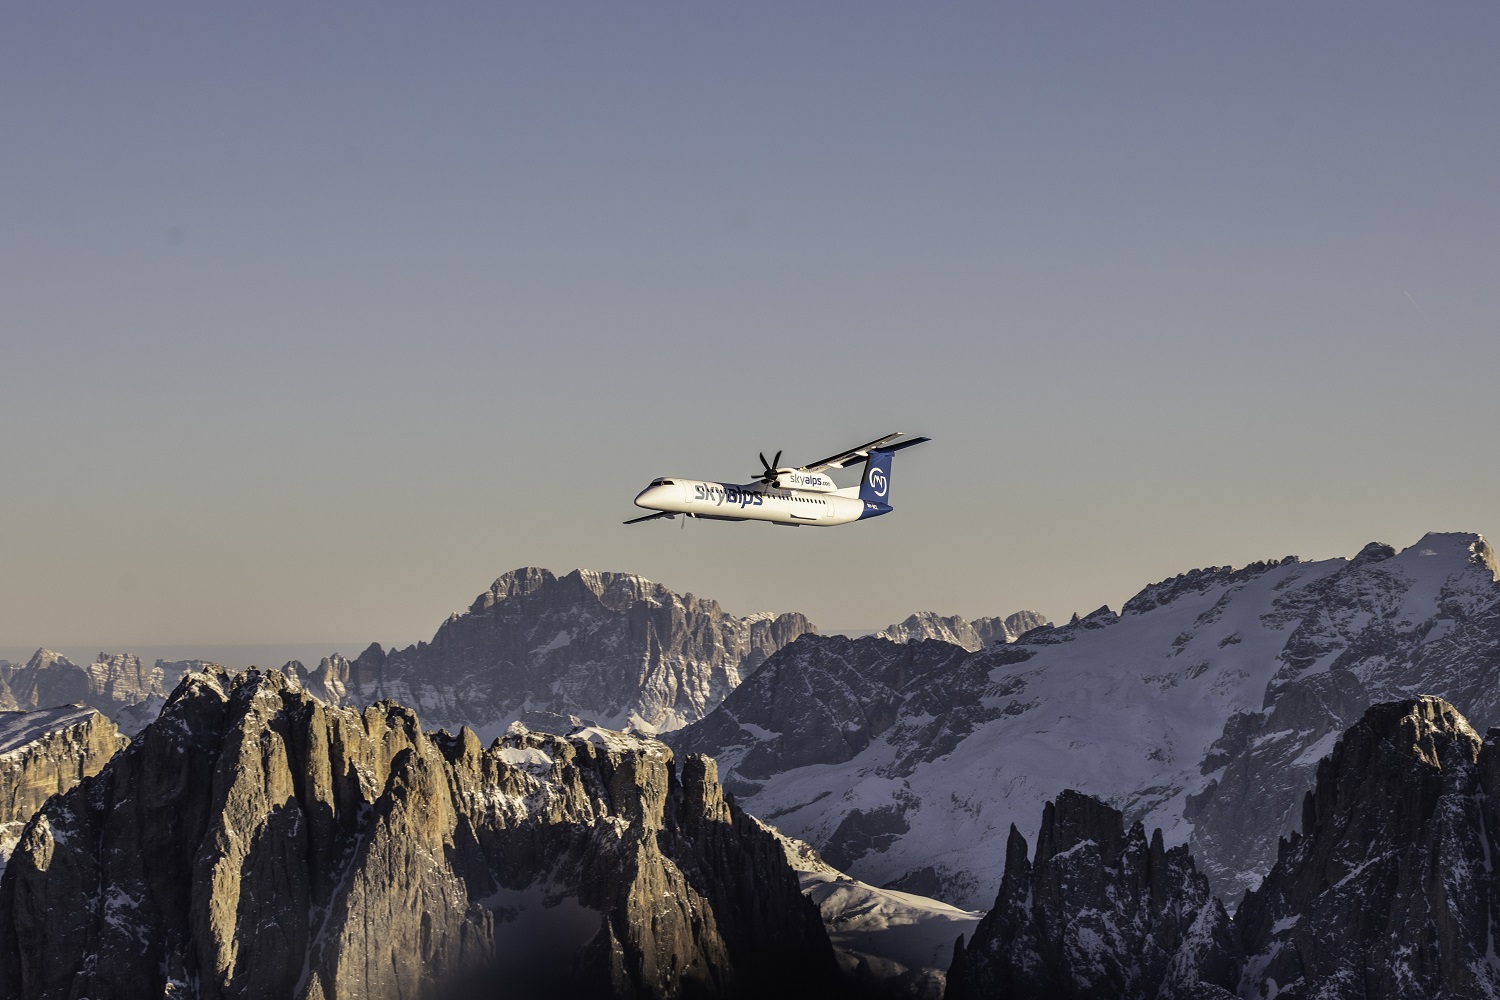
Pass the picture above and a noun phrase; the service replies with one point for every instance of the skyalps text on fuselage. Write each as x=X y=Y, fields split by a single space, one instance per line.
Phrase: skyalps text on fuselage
x=793 y=496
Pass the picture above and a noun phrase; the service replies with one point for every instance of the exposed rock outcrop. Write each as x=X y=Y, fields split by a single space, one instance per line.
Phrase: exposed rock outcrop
x=1389 y=889
x=972 y=634
x=46 y=752
x=1100 y=913
x=605 y=648
x=254 y=842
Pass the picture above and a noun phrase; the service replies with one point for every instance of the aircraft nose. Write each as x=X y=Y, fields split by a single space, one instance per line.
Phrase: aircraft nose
x=645 y=496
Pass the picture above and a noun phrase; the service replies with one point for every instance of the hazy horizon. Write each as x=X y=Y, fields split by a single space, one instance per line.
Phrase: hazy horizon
x=319 y=319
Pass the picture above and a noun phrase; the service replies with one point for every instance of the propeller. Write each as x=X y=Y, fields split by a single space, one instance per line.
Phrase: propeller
x=769 y=470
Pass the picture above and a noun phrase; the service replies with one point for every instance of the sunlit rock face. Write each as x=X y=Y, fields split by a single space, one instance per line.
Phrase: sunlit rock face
x=602 y=648
x=1389 y=889
x=1202 y=709
x=46 y=752
x=256 y=842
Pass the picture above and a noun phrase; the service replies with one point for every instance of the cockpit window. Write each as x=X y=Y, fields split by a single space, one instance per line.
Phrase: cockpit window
x=663 y=482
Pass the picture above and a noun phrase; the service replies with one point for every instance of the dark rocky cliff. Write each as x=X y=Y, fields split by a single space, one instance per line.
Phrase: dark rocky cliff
x=1387 y=893
x=1100 y=913
x=1389 y=890
x=254 y=842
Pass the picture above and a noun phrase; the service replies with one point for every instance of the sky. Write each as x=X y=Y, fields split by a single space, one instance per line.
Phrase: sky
x=316 y=317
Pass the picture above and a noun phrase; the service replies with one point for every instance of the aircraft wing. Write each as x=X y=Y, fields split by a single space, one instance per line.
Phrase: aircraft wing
x=846 y=458
x=648 y=517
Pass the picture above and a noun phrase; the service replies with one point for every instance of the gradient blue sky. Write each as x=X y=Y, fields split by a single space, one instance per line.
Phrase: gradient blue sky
x=314 y=318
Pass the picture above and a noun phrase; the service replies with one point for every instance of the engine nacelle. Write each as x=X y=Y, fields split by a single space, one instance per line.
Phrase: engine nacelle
x=815 y=482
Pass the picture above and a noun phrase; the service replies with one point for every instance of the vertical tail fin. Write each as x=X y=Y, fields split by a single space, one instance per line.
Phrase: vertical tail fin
x=876 y=486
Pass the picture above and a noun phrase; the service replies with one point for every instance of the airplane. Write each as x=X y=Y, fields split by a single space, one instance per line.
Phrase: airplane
x=791 y=496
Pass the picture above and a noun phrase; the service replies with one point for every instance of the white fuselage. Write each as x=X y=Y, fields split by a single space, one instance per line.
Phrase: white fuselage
x=757 y=502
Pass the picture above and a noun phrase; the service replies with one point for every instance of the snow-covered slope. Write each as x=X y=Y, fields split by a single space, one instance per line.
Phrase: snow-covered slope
x=17 y=729
x=1201 y=709
x=897 y=943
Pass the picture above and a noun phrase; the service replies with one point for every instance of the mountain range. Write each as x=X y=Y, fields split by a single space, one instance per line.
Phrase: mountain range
x=1201 y=708
x=1221 y=710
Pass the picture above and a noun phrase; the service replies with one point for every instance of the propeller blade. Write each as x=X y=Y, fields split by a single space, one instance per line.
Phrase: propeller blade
x=768 y=469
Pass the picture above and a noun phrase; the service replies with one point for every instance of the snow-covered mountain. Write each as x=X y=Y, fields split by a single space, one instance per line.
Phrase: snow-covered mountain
x=606 y=648
x=889 y=943
x=972 y=635
x=1202 y=708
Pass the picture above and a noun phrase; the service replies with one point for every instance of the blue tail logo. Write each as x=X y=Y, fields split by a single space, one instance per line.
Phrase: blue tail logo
x=876 y=487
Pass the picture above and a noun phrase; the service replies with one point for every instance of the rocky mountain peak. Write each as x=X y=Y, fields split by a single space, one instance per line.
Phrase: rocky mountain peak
x=1101 y=912
x=1047 y=635
x=516 y=583
x=587 y=647
x=254 y=841
x=1482 y=553
x=1196 y=581
x=1390 y=881
x=1074 y=819
x=1399 y=739
x=1372 y=553
x=972 y=635
x=1456 y=549
x=614 y=590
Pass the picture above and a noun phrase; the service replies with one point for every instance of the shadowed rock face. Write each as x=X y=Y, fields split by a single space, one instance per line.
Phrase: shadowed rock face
x=1100 y=913
x=1389 y=890
x=254 y=842
x=552 y=651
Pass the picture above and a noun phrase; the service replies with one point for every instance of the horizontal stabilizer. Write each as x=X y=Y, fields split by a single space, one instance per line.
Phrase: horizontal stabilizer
x=845 y=458
x=905 y=444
